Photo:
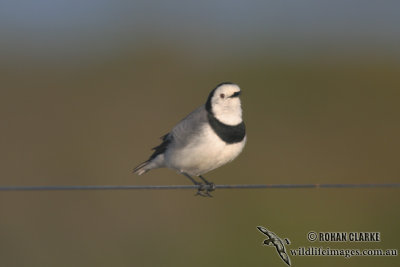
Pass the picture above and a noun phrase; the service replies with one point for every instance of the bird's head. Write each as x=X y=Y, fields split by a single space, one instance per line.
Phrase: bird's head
x=224 y=103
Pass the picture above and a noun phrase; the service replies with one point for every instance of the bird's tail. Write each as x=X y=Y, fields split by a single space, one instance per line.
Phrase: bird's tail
x=152 y=163
x=142 y=168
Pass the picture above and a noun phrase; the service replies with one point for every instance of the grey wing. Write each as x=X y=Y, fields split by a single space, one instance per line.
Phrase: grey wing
x=190 y=127
x=279 y=245
x=285 y=257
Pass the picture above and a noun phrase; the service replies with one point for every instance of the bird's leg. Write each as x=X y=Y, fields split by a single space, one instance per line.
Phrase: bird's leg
x=190 y=178
x=211 y=186
x=201 y=186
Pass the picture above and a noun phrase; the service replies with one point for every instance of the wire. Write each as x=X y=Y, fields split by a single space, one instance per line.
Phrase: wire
x=204 y=187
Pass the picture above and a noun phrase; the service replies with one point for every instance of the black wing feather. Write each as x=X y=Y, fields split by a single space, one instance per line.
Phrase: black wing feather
x=162 y=147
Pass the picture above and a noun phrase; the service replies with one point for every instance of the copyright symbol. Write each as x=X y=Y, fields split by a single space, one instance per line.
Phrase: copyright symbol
x=312 y=236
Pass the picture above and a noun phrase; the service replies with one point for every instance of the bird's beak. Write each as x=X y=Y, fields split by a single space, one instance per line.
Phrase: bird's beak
x=236 y=94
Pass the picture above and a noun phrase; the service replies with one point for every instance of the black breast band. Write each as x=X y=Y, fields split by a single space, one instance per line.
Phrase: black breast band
x=229 y=134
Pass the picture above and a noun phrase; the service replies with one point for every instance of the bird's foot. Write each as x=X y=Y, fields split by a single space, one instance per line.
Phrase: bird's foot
x=205 y=189
x=209 y=186
x=201 y=191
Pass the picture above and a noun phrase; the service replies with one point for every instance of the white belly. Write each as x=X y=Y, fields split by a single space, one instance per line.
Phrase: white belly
x=204 y=154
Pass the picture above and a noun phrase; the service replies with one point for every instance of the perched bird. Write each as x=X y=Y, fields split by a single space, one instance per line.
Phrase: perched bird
x=209 y=137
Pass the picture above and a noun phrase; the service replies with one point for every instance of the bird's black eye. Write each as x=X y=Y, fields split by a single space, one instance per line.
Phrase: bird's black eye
x=222 y=95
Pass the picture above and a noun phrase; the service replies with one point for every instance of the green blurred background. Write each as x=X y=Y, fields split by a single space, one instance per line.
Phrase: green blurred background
x=87 y=87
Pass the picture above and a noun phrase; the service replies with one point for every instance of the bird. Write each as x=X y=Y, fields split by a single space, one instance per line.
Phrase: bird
x=276 y=241
x=209 y=137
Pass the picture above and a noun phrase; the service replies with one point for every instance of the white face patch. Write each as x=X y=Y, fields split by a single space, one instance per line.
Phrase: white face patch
x=225 y=104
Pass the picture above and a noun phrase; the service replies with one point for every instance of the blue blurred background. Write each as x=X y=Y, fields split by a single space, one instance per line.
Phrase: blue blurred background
x=87 y=87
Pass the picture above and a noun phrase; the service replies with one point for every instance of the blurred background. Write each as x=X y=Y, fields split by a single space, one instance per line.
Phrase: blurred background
x=88 y=87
